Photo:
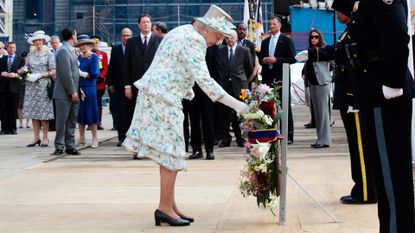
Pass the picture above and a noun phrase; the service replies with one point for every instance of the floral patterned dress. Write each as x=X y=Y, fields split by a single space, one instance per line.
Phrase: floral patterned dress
x=156 y=130
x=37 y=105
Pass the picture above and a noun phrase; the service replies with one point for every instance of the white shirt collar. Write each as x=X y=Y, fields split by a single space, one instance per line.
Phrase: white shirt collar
x=276 y=36
x=233 y=47
x=142 y=36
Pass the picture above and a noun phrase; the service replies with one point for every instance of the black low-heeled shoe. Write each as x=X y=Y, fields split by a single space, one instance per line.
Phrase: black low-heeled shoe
x=187 y=218
x=34 y=144
x=161 y=217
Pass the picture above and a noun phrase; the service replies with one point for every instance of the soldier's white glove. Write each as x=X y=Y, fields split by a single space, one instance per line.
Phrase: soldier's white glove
x=302 y=56
x=390 y=93
x=33 y=77
x=239 y=106
x=350 y=109
x=83 y=74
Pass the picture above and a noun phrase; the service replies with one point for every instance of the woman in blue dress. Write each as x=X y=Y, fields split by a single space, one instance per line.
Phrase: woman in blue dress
x=88 y=107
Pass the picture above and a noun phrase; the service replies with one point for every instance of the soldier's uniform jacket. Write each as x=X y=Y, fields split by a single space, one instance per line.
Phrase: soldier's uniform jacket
x=380 y=30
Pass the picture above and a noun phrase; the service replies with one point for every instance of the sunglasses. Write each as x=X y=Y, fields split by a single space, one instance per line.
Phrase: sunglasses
x=314 y=37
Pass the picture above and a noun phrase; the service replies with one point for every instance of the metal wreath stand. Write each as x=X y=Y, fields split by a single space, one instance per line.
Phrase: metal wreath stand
x=283 y=166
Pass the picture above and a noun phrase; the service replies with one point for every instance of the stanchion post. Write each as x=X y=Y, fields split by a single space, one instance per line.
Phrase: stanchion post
x=284 y=129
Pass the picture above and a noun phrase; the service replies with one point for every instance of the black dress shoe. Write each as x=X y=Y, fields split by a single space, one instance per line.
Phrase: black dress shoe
x=309 y=126
x=290 y=141
x=349 y=200
x=119 y=144
x=3 y=132
x=224 y=144
x=210 y=156
x=187 y=218
x=72 y=152
x=57 y=152
x=13 y=132
x=318 y=146
x=344 y=197
x=161 y=217
x=196 y=155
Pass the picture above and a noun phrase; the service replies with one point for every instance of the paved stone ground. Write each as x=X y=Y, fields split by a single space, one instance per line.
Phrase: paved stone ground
x=105 y=191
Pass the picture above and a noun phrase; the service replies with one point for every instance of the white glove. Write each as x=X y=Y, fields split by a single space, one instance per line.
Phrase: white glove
x=390 y=93
x=83 y=74
x=33 y=77
x=239 y=106
x=302 y=56
x=350 y=109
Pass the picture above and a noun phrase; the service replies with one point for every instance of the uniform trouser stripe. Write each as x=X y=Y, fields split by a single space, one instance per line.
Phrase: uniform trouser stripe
x=384 y=162
x=361 y=155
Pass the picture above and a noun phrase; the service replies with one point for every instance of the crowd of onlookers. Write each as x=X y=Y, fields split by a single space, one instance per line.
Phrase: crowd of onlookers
x=28 y=81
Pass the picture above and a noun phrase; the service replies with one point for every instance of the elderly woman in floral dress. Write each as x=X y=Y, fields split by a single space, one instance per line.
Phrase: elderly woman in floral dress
x=156 y=130
x=37 y=105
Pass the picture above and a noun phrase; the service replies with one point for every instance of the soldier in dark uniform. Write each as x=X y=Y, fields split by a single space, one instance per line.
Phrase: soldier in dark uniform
x=380 y=54
x=356 y=118
x=356 y=122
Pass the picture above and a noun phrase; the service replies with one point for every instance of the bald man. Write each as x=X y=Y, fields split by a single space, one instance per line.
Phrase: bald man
x=115 y=81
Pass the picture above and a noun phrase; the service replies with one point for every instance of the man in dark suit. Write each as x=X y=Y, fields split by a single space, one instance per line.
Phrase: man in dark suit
x=235 y=66
x=241 y=30
x=276 y=50
x=139 y=54
x=115 y=82
x=390 y=89
x=9 y=89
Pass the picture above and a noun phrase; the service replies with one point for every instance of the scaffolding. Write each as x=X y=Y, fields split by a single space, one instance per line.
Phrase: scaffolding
x=6 y=16
x=111 y=16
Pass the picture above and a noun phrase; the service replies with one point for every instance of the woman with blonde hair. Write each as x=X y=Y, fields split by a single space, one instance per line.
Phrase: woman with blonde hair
x=37 y=105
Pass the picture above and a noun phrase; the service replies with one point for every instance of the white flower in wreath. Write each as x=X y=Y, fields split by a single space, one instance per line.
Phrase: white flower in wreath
x=262 y=168
x=268 y=120
x=262 y=149
x=271 y=203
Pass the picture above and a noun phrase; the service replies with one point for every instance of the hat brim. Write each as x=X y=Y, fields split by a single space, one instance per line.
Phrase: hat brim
x=223 y=27
x=40 y=37
x=91 y=41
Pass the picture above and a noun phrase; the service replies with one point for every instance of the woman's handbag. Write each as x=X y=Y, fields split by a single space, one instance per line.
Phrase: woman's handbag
x=49 y=88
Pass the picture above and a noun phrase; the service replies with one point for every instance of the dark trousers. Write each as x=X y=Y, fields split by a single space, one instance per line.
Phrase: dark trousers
x=8 y=106
x=115 y=108
x=186 y=132
x=290 y=133
x=226 y=117
x=360 y=133
x=100 y=94
x=52 y=122
x=127 y=107
x=392 y=122
x=201 y=112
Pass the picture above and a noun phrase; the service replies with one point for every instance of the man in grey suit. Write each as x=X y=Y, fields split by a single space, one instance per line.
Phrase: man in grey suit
x=65 y=94
x=235 y=66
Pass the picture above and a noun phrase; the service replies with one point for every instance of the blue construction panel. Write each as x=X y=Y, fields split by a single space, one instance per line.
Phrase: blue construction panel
x=304 y=19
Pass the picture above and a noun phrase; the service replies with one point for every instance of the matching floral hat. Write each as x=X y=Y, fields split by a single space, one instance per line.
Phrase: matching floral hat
x=218 y=20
